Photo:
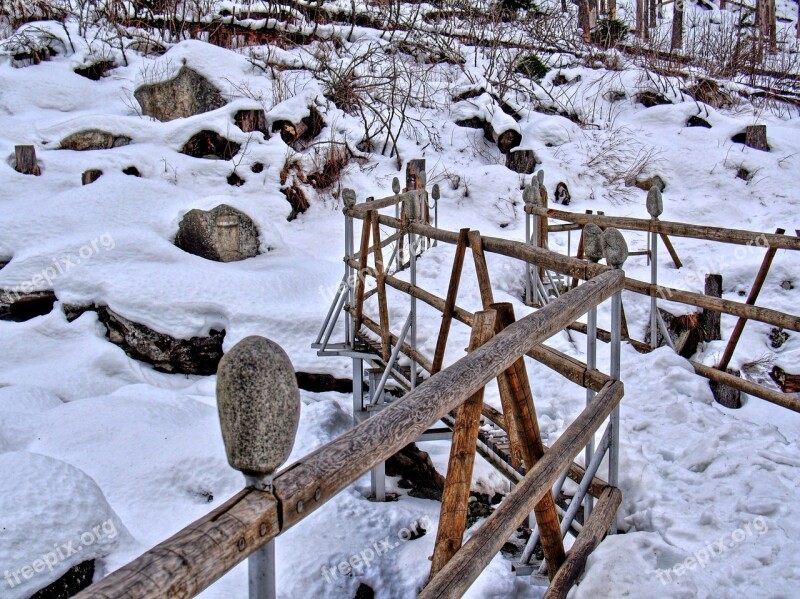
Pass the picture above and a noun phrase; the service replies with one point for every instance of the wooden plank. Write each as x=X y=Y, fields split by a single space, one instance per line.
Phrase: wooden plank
x=459 y=574
x=671 y=249
x=455 y=496
x=197 y=556
x=316 y=478
x=450 y=300
x=361 y=270
x=481 y=269
x=523 y=430
x=738 y=328
x=360 y=210
x=675 y=229
x=405 y=348
x=589 y=538
x=380 y=275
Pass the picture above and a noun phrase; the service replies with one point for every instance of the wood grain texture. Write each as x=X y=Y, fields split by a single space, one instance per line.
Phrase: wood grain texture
x=380 y=275
x=450 y=300
x=514 y=384
x=194 y=558
x=594 y=530
x=313 y=480
x=404 y=348
x=360 y=210
x=361 y=268
x=455 y=496
x=675 y=229
x=459 y=574
x=481 y=269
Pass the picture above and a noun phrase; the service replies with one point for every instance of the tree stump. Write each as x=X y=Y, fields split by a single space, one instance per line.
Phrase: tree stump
x=756 y=137
x=521 y=161
x=26 y=164
x=252 y=120
x=710 y=319
x=789 y=383
x=91 y=176
x=725 y=395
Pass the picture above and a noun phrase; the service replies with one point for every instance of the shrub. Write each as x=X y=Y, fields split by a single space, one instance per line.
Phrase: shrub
x=531 y=66
x=609 y=32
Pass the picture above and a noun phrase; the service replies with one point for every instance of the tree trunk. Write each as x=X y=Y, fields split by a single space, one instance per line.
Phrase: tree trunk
x=677 y=26
x=25 y=157
x=252 y=120
x=725 y=395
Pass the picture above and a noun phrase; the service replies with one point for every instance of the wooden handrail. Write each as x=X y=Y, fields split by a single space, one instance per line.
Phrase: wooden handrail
x=461 y=571
x=194 y=558
x=359 y=210
x=676 y=229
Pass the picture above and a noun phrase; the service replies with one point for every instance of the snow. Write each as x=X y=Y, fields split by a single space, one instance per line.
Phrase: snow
x=88 y=435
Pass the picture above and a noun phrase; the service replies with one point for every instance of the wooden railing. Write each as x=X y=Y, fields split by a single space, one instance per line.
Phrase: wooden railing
x=197 y=556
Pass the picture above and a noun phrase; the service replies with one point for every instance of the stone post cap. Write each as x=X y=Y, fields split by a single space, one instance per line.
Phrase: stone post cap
x=615 y=247
x=259 y=405
x=348 y=197
x=530 y=195
x=655 y=203
x=436 y=192
x=593 y=242
x=396 y=186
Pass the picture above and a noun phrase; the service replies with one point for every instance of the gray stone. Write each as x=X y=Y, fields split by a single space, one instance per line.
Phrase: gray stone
x=531 y=196
x=655 y=204
x=223 y=234
x=197 y=355
x=186 y=95
x=348 y=197
x=93 y=139
x=18 y=305
x=259 y=405
x=593 y=242
x=614 y=247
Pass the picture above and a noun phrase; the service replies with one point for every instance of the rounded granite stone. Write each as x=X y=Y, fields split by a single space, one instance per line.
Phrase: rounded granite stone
x=593 y=242
x=614 y=247
x=655 y=204
x=259 y=405
x=531 y=195
x=348 y=197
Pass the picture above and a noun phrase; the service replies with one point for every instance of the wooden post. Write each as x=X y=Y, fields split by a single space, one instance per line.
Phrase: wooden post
x=542 y=221
x=415 y=179
x=455 y=497
x=514 y=384
x=450 y=300
x=91 y=176
x=751 y=300
x=711 y=319
x=589 y=538
x=383 y=307
x=362 y=270
x=756 y=136
x=25 y=157
x=482 y=271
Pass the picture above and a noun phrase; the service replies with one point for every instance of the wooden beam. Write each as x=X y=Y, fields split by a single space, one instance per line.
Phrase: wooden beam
x=676 y=260
x=738 y=329
x=361 y=269
x=450 y=300
x=735 y=236
x=316 y=478
x=360 y=210
x=588 y=539
x=459 y=574
x=515 y=387
x=481 y=269
x=194 y=558
x=405 y=348
x=383 y=307
x=457 y=485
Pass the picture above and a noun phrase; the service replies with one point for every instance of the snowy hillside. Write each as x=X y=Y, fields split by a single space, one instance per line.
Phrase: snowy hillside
x=93 y=440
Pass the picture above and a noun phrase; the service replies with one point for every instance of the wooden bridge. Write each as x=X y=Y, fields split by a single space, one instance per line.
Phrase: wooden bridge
x=430 y=401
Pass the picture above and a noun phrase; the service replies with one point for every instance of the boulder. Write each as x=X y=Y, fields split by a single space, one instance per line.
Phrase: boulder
x=18 y=305
x=186 y=95
x=93 y=139
x=197 y=355
x=223 y=234
x=210 y=144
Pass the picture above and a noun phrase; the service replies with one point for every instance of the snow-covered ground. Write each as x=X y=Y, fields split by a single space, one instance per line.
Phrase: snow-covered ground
x=103 y=453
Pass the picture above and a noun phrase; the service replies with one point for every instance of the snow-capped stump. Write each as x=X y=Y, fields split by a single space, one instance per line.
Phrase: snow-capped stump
x=252 y=120
x=521 y=161
x=66 y=522
x=197 y=355
x=299 y=134
x=210 y=144
x=222 y=234
x=696 y=121
x=789 y=383
x=96 y=70
x=503 y=130
x=650 y=98
x=186 y=95
x=754 y=136
x=90 y=176
x=93 y=139
x=25 y=161
x=18 y=305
